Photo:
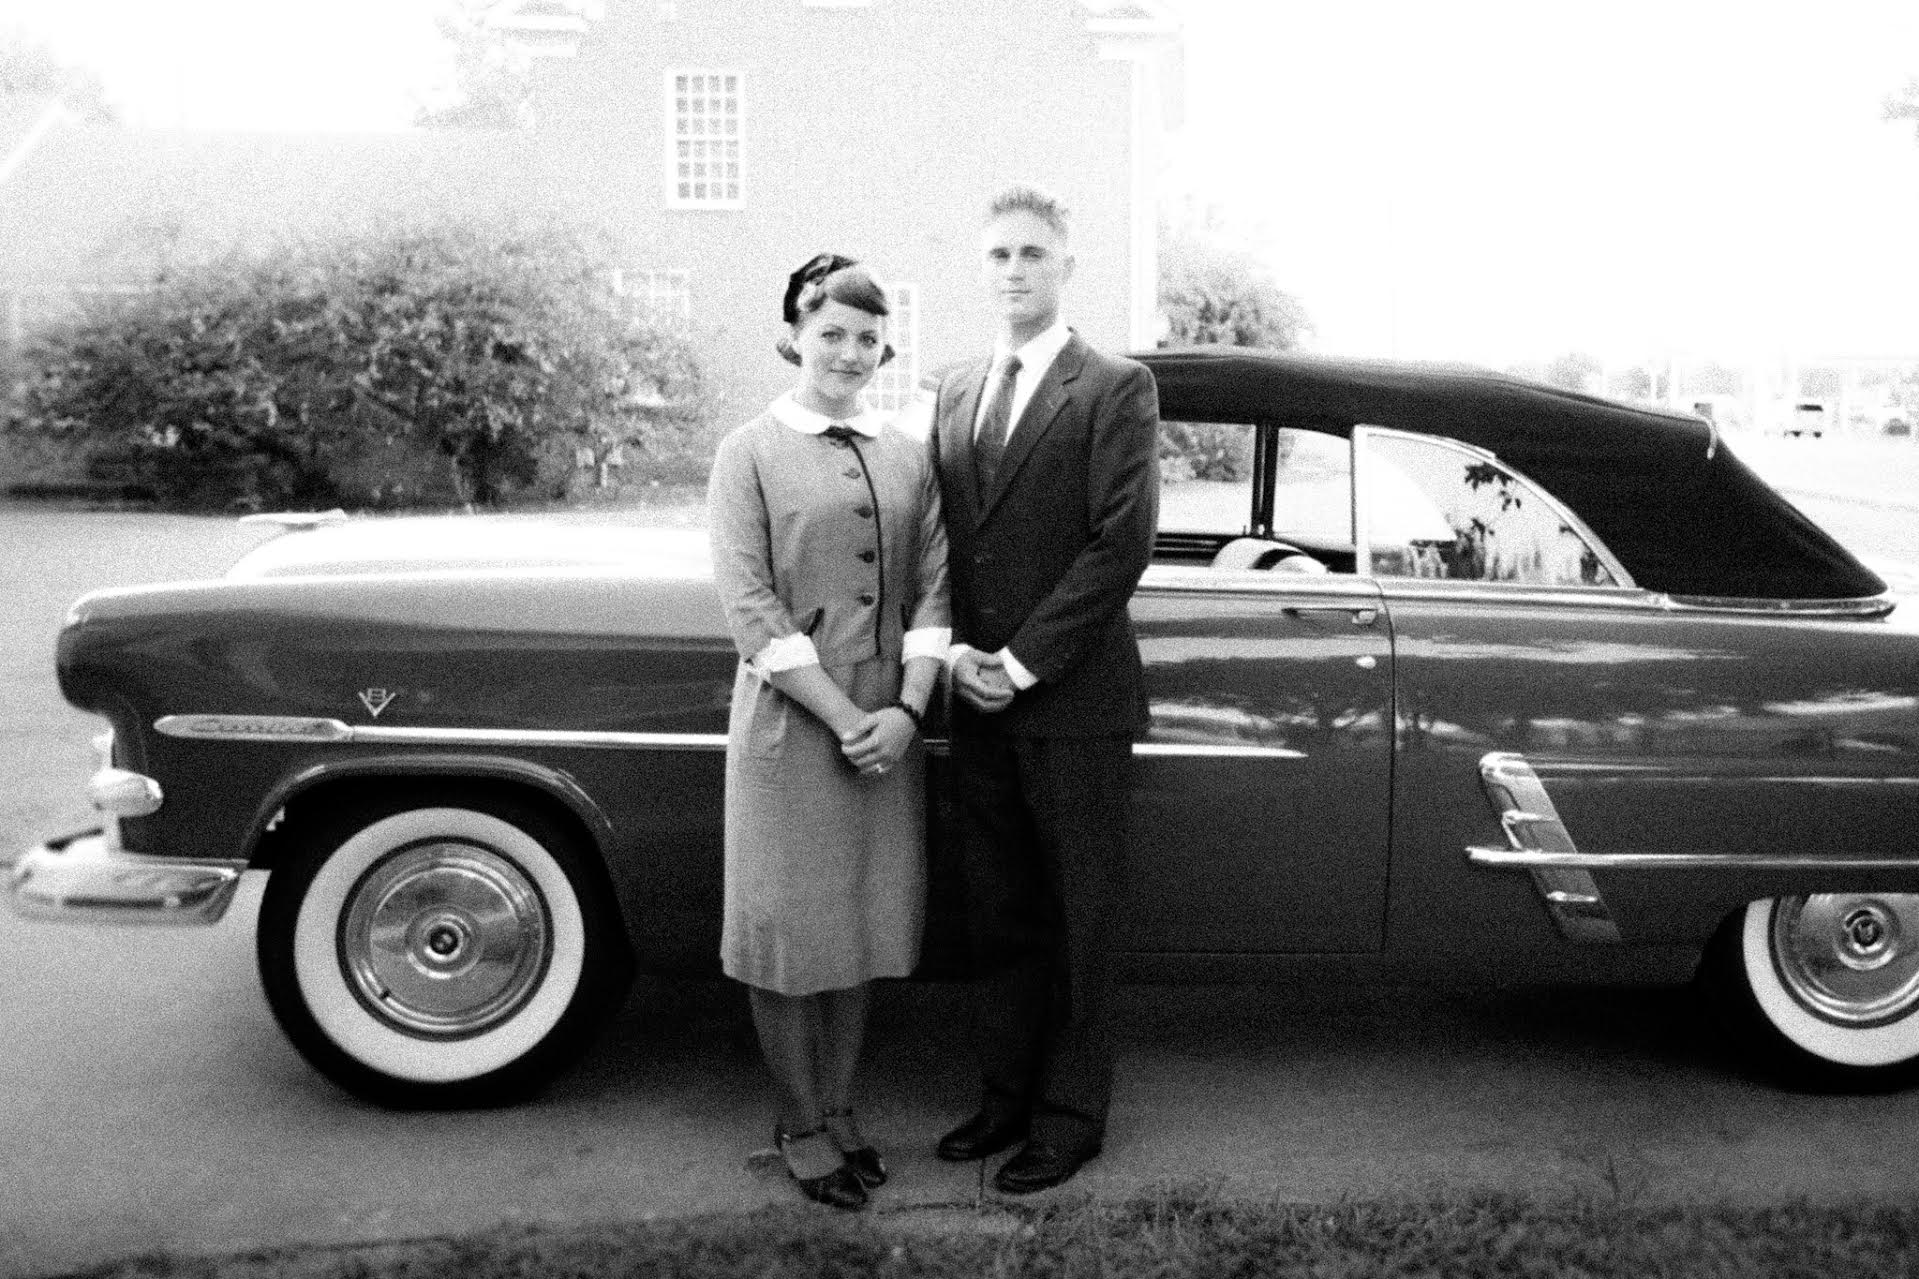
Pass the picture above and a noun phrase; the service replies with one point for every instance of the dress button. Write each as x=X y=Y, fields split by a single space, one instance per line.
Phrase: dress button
x=867 y=556
x=851 y=472
x=864 y=512
x=866 y=599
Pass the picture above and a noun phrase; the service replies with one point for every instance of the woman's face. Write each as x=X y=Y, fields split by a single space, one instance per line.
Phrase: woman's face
x=839 y=348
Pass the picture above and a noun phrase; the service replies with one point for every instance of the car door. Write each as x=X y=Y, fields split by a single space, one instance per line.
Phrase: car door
x=1712 y=734
x=1262 y=788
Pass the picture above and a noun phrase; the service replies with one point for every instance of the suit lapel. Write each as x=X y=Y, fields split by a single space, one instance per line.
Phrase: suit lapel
x=1049 y=397
x=956 y=435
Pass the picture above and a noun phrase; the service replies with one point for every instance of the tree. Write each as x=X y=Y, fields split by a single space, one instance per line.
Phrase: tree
x=259 y=382
x=28 y=69
x=492 y=87
x=1574 y=371
x=1904 y=105
x=1213 y=294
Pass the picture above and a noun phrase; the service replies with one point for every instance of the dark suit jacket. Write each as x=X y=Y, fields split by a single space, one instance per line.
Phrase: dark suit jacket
x=1045 y=561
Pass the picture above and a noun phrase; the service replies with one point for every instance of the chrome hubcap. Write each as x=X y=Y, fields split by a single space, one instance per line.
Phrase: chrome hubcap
x=445 y=939
x=1851 y=958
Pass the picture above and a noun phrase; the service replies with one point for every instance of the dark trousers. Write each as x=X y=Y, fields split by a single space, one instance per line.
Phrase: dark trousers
x=1042 y=835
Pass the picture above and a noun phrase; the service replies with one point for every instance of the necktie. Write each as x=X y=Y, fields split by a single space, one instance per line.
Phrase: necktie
x=838 y=432
x=990 y=444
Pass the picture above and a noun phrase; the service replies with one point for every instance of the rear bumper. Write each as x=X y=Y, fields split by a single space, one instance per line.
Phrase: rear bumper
x=82 y=879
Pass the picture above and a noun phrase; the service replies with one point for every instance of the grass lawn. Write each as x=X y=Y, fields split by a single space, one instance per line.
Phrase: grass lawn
x=1172 y=1233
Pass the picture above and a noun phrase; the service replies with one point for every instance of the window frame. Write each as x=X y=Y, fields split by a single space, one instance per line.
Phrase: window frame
x=670 y=307
x=1363 y=464
x=672 y=137
x=901 y=374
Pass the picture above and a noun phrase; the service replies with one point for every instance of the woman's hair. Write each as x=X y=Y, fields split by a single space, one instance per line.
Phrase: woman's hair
x=829 y=278
x=850 y=286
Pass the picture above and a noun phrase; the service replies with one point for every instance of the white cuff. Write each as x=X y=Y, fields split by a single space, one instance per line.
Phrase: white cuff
x=927 y=641
x=784 y=654
x=1022 y=678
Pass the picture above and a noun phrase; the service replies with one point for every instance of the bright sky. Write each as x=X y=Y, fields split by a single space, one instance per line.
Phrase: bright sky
x=1474 y=179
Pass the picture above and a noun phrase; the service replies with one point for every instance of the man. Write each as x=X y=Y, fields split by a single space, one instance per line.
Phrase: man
x=1048 y=471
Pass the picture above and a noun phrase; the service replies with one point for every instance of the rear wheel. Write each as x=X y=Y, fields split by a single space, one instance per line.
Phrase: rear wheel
x=438 y=954
x=1826 y=985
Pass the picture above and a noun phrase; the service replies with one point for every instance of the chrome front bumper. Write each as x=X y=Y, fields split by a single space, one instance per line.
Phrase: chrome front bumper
x=81 y=878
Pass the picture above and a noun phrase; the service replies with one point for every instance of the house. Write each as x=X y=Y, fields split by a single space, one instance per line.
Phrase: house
x=719 y=142
x=730 y=140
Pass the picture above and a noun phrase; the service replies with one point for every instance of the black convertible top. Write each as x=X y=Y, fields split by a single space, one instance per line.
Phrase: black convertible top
x=1682 y=516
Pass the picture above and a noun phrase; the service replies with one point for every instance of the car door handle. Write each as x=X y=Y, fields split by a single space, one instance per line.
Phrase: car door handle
x=1362 y=614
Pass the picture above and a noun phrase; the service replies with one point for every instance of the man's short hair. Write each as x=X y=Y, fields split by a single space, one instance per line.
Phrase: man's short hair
x=1029 y=199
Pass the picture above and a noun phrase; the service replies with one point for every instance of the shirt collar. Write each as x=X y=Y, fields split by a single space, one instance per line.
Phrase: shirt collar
x=804 y=420
x=1039 y=352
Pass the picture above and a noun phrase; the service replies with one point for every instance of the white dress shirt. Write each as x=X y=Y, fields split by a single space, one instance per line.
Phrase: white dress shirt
x=1035 y=357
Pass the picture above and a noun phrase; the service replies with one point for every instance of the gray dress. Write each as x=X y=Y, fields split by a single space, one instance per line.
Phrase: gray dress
x=840 y=541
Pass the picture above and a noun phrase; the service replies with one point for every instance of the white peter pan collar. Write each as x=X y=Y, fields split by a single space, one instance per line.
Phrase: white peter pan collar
x=804 y=420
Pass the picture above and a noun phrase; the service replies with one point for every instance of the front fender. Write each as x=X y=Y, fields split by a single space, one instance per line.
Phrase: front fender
x=555 y=783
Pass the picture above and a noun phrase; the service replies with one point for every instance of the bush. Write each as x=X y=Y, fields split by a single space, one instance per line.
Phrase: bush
x=398 y=367
x=1204 y=451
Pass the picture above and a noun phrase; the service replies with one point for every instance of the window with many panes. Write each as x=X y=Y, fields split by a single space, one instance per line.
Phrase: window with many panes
x=660 y=296
x=893 y=387
x=703 y=139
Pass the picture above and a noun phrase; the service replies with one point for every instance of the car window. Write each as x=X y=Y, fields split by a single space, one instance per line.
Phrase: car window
x=1435 y=510
x=1206 y=477
x=1313 y=489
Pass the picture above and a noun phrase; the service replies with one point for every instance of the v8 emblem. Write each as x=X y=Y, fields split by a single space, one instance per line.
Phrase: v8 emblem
x=375 y=700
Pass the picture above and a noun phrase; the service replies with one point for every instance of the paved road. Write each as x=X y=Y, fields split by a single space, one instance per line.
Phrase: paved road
x=147 y=1100
x=151 y=1103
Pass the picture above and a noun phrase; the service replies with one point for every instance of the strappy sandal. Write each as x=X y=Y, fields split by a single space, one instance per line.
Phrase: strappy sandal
x=839 y=1188
x=863 y=1160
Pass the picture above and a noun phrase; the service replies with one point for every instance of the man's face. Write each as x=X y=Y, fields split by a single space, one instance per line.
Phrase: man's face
x=1026 y=269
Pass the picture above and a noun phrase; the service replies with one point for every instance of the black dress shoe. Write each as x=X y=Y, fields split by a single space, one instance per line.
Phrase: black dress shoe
x=982 y=1135
x=840 y=1188
x=864 y=1160
x=1040 y=1167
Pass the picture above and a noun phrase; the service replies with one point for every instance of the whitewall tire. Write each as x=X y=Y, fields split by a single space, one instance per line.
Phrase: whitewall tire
x=437 y=953
x=1827 y=984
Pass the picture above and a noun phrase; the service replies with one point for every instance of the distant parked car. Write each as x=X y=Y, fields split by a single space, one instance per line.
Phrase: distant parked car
x=1807 y=417
x=1469 y=679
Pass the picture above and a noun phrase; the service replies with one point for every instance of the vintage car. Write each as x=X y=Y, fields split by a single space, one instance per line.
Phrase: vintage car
x=1453 y=677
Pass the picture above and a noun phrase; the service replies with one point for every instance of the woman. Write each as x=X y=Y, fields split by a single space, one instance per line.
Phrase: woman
x=831 y=564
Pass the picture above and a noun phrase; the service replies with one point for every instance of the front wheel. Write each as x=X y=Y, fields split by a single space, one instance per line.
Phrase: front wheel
x=1826 y=985
x=445 y=954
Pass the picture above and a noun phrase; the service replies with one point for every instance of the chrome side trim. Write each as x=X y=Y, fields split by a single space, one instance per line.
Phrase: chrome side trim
x=1539 y=858
x=253 y=728
x=1868 y=606
x=294 y=728
x=1399 y=589
x=391 y=735
x=82 y=879
x=1180 y=579
x=1216 y=752
x=1533 y=828
x=297 y=728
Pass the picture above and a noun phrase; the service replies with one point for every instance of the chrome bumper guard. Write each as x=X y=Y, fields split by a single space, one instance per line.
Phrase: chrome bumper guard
x=82 y=879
